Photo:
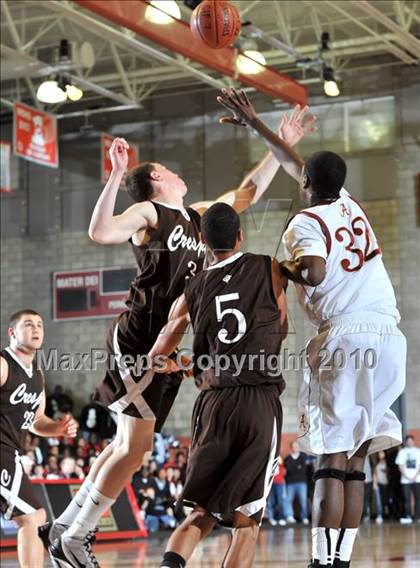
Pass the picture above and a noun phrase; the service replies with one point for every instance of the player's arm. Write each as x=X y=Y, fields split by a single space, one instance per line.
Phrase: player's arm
x=244 y=114
x=279 y=282
x=107 y=228
x=305 y=270
x=45 y=426
x=170 y=337
x=250 y=190
x=4 y=371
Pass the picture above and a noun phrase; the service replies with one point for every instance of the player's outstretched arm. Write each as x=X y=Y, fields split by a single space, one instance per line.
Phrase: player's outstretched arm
x=170 y=337
x=290 y=132
x=107 y=228
x=45 y=426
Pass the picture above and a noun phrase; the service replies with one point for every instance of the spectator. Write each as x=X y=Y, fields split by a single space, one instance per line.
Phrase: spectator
x=96 y=419
x=58 y=403
x=140 y=483
x=69 y=469
x=367 y=506
x=181 y=464
x=278 y=497
x=175 y=484
x=408 y=460
x=381 y=487
x=53 y=471
x=156 y=514
x=37 y=472
x=296 y=484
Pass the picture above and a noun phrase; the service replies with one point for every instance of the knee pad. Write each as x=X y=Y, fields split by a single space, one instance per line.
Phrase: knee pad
x=355 y=476
x=330 y=473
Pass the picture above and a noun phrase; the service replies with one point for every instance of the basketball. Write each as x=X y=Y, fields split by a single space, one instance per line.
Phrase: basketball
x=216 y=23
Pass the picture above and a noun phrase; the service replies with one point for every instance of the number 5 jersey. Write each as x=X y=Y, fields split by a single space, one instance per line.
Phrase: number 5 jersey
x=356 y=279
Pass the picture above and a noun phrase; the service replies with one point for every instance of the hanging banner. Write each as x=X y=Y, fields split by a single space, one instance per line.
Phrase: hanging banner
x=35 y=135
x=106 y=166
x=6 y=166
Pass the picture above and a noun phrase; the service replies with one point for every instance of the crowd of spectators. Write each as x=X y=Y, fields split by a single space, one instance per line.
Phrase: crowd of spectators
x=392 y=486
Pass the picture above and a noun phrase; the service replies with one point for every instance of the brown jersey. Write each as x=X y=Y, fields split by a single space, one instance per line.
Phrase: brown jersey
x=236 y=323
x=173 y=253
x=20 y=398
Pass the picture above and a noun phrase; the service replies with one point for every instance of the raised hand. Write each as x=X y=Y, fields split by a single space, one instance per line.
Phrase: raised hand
x=294 y=127
x=238 y=103
x=119 y=154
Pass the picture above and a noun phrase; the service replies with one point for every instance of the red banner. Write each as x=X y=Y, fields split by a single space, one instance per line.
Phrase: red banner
x=6 y=167
x=35 y=135
x=106 y=166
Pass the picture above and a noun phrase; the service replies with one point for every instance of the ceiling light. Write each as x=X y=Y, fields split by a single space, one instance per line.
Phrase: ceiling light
x=73 y=92
x=330 y=85
x=50 y=92
x=250 y=62
x=162 y=12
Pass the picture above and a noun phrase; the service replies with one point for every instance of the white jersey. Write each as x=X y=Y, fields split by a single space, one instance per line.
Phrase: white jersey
x=356 y=279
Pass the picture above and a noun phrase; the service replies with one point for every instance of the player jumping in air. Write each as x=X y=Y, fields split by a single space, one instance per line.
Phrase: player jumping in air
x=238 y=313
x=356 y=362
x=22 y=410
x=165 y=239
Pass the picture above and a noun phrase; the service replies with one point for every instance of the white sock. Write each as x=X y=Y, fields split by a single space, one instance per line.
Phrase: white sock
x=88 y=517
x=345 y=544
x=70 y=513
x=324 y=542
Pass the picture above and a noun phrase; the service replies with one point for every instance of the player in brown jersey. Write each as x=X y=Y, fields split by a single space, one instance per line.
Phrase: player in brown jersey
x=237 y=309
x=165 y=238
x=22 y=410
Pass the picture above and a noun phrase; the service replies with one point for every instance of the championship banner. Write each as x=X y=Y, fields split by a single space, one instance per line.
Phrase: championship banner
x=106 y=166
x=35 y=135
x=6 y=166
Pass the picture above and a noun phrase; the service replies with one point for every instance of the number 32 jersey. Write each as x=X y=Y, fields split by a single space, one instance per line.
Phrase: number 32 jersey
x=356 y=279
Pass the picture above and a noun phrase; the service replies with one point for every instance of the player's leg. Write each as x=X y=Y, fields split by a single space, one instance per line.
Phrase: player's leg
x=134 y=438
x=50 y=531
x=241 y=551
x=29 y=546
x=185 y=538
x=354 y=488
x=327 y=508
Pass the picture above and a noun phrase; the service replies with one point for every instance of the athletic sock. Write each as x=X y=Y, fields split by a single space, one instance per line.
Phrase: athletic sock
x=172 y=560
x=73 y=509
x=88 y=517
x=324 y=542
x=345 y=544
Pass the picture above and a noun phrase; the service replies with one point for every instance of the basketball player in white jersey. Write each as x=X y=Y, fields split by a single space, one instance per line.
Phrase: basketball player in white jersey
x=356 y=362
x=22 y=410
x=165 y=239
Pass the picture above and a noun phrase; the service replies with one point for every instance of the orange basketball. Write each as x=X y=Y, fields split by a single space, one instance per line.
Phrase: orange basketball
x=216 y=23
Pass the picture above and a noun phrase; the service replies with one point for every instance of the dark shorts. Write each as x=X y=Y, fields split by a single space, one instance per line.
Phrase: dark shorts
x=17 y=493
x=234 y=451
x=126 y=388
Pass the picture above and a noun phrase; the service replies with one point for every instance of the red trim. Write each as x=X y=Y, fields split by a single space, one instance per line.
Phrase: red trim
x=57 y=481
x=117 y=535
x=323 y=225
x=178 y=38
x=8 y=542
x=361 y=207
x=135 y=508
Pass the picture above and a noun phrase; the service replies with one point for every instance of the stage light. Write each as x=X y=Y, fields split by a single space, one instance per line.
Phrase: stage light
x=330 y=85
x=251 y=62
x=162 y=12
x=49 y=92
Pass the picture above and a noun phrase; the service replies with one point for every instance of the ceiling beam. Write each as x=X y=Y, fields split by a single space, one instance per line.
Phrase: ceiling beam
x=95 y=26
x=404 y=38
x=390 y=46
x=177 y=37
x=19 y=47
